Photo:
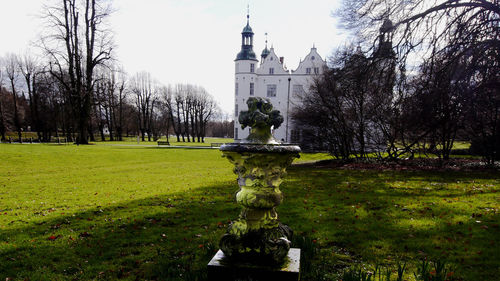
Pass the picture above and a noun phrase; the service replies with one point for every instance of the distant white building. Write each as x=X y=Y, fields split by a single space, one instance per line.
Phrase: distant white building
x=270 y=79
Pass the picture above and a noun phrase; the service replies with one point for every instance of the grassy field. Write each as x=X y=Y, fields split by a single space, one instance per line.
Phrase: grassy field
x=172 y=140
x=131 y=212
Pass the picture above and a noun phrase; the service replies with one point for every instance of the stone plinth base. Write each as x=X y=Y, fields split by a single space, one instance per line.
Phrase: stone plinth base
x=221 y=270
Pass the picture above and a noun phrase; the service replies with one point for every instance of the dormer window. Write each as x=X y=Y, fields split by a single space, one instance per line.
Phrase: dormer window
x=271 y=70
x=308 y=70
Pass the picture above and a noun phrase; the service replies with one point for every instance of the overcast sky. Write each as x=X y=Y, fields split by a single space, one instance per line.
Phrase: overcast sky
x=194 y=41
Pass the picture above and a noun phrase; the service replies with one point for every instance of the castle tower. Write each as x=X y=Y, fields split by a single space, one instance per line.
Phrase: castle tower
x=272 y=80
x=384 y=49
x=245 y=77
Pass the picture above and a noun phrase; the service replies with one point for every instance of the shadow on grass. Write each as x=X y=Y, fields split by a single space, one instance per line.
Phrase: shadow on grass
x=168 y=237
x=381 y=217
x=185 y=147
x=350 y=216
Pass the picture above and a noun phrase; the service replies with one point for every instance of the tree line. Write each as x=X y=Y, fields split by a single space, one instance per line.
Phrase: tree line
x=120 y=105
x=438 y=83
x=77 y=91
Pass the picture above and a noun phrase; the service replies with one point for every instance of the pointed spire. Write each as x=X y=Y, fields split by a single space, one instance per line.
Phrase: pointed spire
x=248 y=13
x=247 y=28
x=266 y=51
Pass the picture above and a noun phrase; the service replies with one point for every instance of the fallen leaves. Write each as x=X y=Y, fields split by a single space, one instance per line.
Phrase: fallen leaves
x=85 y=235
x=53 y=237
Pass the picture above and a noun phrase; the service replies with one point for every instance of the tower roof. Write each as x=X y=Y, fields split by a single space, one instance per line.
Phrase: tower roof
x=247 y=29
x=246 y=52
x=265 y=52
x=387 y=26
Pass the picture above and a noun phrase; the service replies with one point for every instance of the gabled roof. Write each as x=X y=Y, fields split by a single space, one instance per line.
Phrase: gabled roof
x=313 y=59
x=271 y=61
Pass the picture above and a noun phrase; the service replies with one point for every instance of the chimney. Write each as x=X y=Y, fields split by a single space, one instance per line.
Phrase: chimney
x=282 y=59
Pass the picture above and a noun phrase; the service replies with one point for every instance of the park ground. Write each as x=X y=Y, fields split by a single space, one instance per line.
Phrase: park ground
x=102 y=212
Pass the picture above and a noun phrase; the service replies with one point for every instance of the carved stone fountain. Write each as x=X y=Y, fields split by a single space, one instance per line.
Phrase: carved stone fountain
x=260 y=162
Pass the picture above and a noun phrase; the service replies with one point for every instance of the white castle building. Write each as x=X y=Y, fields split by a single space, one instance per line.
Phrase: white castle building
x=270 y=79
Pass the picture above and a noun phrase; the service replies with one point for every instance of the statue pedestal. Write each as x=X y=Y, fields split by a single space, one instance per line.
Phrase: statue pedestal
x=222 y=270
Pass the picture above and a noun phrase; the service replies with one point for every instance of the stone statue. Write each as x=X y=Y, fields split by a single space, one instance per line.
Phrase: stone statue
x=257 y=236
x=260 y=117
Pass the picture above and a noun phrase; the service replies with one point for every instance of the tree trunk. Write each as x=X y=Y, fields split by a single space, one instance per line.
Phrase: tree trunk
x=2 y=120
x=17 y=123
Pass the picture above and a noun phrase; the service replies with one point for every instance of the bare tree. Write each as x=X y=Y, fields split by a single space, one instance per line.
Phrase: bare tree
x=100 y=106
x=180 y=108
x=120 y=101
x=206 y=108
x=349 y=109
x=166 y=94
x=203 y=109
x=221 y=126
x=455 y=45
x=87 y=44
x=440 y=93
x=11 y=64
x=421 y=24
x=144 y=89
x=3 y=123
x=49 y=102
x=186 y=109
x=29 y=70
x=189 y=108
x=322 y=118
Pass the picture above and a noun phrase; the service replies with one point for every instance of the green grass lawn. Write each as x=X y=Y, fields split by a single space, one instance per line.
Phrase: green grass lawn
x=108 y=212
x=172 y=140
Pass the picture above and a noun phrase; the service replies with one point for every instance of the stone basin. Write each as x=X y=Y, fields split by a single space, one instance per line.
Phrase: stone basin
x=257 y=235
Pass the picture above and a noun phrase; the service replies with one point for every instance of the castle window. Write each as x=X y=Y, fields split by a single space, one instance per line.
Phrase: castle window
x=252 y=67
x=308 y=70
x=271 y=90
x=298 y=90
x=236 y=110
x=316 y=70
x=252 y=89
x=271 y=70
x=236 y=89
